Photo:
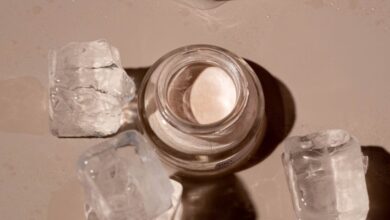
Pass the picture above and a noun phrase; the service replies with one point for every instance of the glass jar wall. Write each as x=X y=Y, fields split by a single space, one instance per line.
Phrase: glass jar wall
x=203 y=109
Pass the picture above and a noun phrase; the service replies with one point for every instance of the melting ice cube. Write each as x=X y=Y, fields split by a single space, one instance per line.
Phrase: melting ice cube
x=124 y=180
x=88 y=89
x=326 y=176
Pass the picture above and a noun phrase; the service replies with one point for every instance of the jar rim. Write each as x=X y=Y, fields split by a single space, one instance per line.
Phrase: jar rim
x=200 y=53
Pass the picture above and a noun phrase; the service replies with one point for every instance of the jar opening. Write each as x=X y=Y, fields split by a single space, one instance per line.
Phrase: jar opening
x=202 y=90
x=201 y=94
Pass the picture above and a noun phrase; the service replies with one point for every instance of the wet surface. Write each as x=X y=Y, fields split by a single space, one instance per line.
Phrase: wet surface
x=71 y=195
x=331 y=56
x=23 y=106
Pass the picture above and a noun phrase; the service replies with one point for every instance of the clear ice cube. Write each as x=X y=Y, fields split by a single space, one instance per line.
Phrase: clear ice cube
x=326 y=176
x=88 y=89
x=176 y=210
x=124 y=180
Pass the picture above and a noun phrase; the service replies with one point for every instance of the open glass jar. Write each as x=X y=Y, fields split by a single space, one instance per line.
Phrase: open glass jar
x=203 y=108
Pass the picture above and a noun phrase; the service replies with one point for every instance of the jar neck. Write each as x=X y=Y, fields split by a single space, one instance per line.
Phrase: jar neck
x=170 y=67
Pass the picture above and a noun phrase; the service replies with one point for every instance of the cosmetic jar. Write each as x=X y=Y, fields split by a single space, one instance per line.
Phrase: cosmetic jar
x=203 y=109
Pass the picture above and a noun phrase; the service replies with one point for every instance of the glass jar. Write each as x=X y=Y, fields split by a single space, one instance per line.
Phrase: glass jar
x=203 y=108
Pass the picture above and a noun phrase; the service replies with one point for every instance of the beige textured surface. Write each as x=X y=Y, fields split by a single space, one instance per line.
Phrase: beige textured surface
x=333 y=56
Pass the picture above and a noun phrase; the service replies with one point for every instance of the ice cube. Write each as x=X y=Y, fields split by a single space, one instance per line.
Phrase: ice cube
x=124 y=180
x=326 y=176
x=176 y=210
x=88 y=89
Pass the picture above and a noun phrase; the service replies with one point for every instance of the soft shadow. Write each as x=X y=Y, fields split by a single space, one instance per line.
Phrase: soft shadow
x=131 y=111
x=137 y=74
x=279 y=110
x=378 y=182
x=222 y=198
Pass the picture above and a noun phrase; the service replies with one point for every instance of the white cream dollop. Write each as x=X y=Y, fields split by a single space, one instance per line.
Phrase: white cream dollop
x=213 y=95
